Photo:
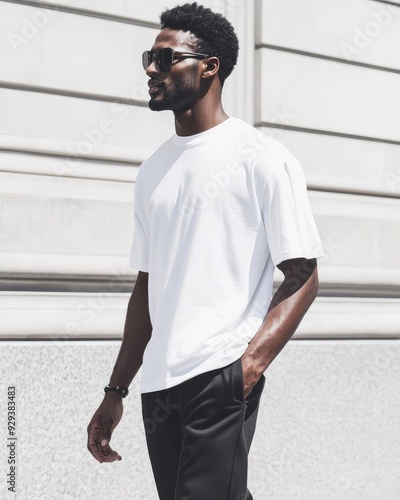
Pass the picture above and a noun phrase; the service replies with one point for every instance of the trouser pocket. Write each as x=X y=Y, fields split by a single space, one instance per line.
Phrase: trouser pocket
x=237 y=380
x=238 y=384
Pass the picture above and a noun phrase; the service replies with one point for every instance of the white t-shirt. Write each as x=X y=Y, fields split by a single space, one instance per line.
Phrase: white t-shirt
x=214 y=213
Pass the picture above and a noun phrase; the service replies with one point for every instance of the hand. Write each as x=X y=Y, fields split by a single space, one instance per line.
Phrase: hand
x=101 y=427
x=250 y=375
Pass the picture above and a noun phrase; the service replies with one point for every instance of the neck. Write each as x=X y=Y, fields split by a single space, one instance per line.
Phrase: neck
x=206 y=113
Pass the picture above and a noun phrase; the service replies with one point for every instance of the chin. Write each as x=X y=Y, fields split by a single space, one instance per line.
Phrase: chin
x=175 y=103
x=155 y=105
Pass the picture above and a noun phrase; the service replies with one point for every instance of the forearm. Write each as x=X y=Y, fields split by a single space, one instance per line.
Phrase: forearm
x=137 y=333
x=284 y=315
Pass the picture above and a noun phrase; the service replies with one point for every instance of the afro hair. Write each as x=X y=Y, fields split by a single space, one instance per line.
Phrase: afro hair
x=215 y=34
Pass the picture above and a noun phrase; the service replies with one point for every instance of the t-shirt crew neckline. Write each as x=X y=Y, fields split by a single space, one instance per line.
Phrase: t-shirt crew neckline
x=186 y=140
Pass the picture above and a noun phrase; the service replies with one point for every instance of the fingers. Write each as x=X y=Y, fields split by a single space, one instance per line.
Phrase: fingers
x=104 y=453
x=105 y=434
x=98 y=444
x=100 y=428
x=109 y=455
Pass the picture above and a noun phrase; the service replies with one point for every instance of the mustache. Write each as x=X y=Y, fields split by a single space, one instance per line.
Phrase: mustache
x=155 y=83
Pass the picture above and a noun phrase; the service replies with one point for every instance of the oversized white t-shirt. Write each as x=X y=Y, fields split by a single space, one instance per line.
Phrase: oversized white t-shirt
x=214 y=213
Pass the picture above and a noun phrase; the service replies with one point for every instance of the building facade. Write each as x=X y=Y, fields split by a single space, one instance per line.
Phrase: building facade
x=321 y=77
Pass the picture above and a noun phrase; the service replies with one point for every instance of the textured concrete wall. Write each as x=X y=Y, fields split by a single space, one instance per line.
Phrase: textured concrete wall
x=328 y=426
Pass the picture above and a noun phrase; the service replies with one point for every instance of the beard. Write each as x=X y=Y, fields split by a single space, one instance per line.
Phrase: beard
x=181 y=97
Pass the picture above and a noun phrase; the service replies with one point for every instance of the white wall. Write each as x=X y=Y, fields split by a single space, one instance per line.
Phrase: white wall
x=323 y=78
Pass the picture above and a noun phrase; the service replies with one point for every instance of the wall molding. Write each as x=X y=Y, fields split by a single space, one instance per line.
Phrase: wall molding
x=329 y=187
x=326 y=57
x=57 y=149
x=76 y=94
x=51 y=264
x=351 y=318
x=85 y=12
x=325 y=132
x=101 y=316
x=79 y=168
x=359 y=282
x=396 y=4
x=56 y=272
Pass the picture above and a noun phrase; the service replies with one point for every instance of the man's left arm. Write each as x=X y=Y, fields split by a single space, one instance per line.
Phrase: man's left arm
x=288 y=306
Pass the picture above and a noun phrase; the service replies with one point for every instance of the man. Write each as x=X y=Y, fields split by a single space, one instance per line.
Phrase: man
x=217 y=207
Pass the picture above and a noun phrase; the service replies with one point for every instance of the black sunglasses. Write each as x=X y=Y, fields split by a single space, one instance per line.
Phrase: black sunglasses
x=164 y=58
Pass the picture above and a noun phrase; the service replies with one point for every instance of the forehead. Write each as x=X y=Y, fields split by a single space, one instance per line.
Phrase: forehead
x=174 y=39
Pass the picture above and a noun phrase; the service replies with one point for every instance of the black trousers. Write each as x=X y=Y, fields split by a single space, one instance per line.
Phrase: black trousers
x=199 y=435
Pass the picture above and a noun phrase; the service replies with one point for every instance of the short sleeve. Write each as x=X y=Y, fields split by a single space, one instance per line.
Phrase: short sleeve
x=288 y=220
x=139 y=257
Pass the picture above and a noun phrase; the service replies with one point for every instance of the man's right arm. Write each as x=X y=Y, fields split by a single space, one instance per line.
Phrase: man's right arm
x=137 y=333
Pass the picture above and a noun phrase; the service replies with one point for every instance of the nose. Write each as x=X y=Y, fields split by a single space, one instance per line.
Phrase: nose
x=151 y=70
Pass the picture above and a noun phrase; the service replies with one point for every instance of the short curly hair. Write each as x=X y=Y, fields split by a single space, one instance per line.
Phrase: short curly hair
x=215 y=34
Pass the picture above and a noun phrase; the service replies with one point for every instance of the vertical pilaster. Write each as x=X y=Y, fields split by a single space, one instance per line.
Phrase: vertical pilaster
x=238 y=96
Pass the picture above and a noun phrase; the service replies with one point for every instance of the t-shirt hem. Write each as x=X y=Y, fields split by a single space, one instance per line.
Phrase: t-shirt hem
x=204 y=368
x=312 y=253
x=140 y=266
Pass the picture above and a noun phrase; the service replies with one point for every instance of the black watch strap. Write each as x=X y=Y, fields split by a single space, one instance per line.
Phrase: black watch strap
x=121 y=390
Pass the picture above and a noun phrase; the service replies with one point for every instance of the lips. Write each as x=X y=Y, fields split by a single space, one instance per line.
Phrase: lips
x=154 y=90
x=154 y=86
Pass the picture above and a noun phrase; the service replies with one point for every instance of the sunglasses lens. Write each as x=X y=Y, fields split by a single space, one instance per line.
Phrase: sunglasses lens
x=165 y=57
x=146 y=59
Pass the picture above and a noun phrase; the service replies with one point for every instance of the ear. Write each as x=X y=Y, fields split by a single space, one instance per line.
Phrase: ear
x=210 y=67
